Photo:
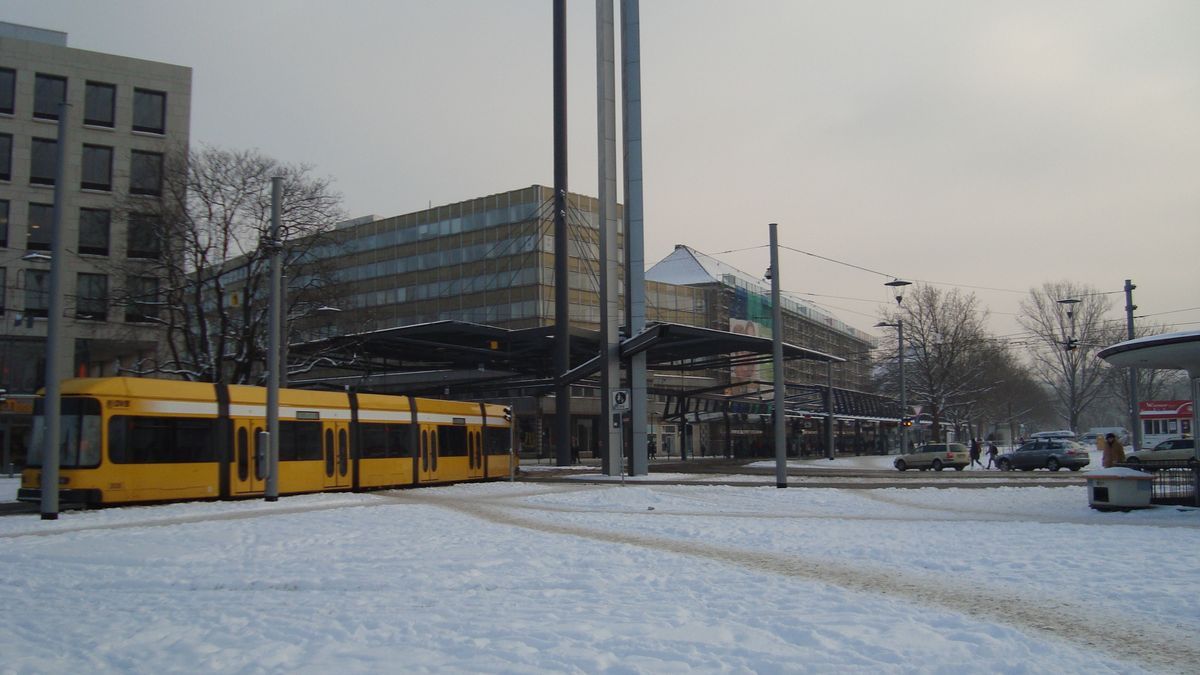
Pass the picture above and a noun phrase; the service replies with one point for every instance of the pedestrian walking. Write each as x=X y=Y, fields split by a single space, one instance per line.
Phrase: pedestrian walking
x=976 y=452
x=991 y=453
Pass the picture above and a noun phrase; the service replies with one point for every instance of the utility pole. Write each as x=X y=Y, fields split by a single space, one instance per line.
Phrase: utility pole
x=274 y=360
x=610 y=306
x=635 y=256
x=779 y=404
x=51 y=451
x=1135 y=424
x=562 y=252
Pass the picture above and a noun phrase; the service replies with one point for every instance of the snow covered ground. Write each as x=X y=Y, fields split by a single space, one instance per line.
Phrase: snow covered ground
x=550 y=578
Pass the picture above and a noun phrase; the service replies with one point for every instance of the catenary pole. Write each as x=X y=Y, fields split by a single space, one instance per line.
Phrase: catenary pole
x=780 y=397
x=1135 y=425
x=274 y=363
x=903 y=388
x=635 y=250
x=610 y=307
x=51 y=452
x=562 y=282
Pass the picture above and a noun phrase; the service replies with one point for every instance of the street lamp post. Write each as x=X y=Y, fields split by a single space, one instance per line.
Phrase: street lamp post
x=899 y=326
x=898 y=287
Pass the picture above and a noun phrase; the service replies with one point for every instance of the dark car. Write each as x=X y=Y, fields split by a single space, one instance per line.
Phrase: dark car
x=1046 y=453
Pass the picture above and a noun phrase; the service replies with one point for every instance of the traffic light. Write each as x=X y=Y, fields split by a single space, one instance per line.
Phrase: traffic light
x=906 y=421
x=1071 y=344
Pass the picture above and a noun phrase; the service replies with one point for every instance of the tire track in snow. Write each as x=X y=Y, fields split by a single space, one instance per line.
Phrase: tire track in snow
x=1158 y=647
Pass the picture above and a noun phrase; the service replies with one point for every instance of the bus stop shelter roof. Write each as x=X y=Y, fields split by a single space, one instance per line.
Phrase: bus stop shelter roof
x=1174 y=351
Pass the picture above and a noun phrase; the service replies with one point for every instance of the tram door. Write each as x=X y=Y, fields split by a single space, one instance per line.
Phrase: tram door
x=249 y=467
x=429 y=454
x=474 y=453
x=336 y=445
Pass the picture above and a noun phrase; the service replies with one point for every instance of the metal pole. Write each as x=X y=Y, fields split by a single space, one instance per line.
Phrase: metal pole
x=51 y=453
x=562 y=252
x=610 y=307
x=830 y=452
x=635 y=250
x=903 y=390
x=274 y=362
x=284 y=334
x=1135 y=425
x=780 y=397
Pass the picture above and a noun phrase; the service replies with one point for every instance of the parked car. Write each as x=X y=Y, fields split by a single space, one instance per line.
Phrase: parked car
x=1171 y=450
x=936 y=456
x=1046 y=453
x=1061 y=433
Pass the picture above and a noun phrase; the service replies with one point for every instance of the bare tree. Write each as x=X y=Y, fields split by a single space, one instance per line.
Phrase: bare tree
x=209 y=231
x=1012 y=395
x=944 y=339
x=1068 y=327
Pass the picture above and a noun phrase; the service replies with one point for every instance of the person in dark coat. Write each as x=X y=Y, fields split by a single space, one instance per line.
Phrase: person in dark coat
x=976 y=452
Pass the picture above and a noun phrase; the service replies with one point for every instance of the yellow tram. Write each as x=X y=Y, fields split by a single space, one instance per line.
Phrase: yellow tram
x=126 y=440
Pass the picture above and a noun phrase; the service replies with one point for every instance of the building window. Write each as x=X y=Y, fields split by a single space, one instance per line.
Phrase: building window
x=142 y=236
x=48 y=92
x=42 y=162
x=3 y=223
x=149 y=111
x=37 y=295
x=41 y=218
x=5 y=156
x=143 y=299
x=3 y=288
x=99 y=104
x=145 y=173
x=8 y=90
x=97 y=168
x=91 y=297
x=93 y=231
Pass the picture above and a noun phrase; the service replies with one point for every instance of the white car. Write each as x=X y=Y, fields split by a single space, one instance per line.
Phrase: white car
x=1171 y=450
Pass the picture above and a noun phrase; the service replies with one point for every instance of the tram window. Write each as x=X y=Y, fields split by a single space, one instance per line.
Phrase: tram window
x=379 y=441
x=329 y=452
x=79 y=433
x=372 y=441
x=160 y=440
x=495 y=441
x=399 y=440
x=243 y=453
x=452 y=441
x=299 y=441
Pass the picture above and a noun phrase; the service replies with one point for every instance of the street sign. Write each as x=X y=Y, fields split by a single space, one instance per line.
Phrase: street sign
x=620 y=400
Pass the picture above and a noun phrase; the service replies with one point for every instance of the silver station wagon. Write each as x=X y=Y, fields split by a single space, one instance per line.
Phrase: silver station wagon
x=936 y=456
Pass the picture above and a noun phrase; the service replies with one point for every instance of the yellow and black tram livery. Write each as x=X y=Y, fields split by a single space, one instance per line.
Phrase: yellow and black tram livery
x=126 y=440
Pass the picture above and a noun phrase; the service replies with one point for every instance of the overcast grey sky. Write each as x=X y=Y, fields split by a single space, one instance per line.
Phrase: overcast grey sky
x=994 y=144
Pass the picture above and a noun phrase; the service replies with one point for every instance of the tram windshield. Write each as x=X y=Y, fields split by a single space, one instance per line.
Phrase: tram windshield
x=79 y=433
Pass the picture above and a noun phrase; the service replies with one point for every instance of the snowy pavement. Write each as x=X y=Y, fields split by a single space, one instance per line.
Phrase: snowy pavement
x=550 y=578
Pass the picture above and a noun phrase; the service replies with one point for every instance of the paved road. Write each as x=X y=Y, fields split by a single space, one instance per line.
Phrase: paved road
x=708 y=471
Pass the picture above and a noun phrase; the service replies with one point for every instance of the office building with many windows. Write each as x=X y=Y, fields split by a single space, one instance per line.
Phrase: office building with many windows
x=125 y=118
x=490 y=260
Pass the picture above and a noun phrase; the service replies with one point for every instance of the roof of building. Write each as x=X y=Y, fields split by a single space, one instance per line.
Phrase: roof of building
x=686 y=266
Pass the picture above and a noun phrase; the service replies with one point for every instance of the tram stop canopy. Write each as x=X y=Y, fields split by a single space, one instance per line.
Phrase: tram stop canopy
x=1170 y=351
x=442 y=352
